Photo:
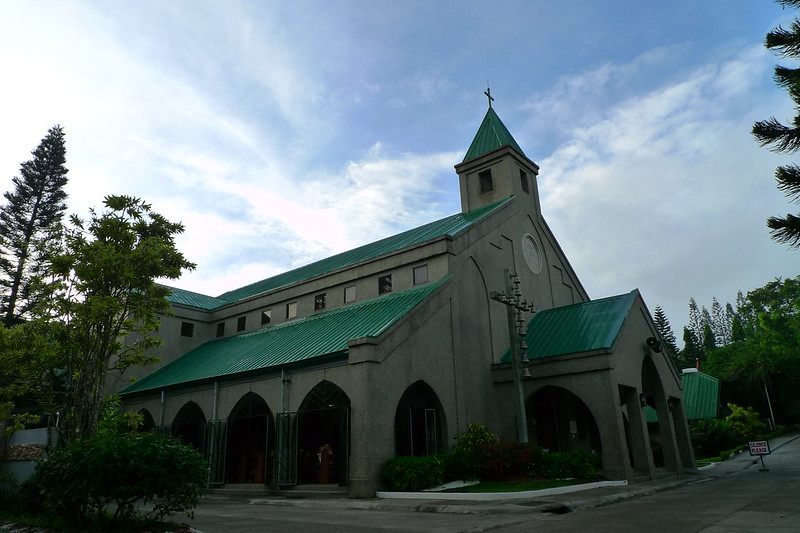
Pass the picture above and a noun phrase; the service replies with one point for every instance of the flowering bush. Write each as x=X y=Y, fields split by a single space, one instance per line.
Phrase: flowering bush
x=83 y=479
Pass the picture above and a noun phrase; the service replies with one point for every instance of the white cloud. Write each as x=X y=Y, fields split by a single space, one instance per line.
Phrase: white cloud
x=668 y=192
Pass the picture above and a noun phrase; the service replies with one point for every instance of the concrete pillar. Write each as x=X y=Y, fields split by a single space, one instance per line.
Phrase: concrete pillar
x=640 y=439
x=668 y=445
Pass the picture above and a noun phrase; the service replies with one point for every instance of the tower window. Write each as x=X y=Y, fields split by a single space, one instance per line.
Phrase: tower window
x=266 y=317
x=420 y=274
x=486 y=180
x=350 y=294
x=523 y=178
x=241 y=323
x=319 y=302
x=187 y=329
x=221 y=329
x=385 y=284
x=291 y=310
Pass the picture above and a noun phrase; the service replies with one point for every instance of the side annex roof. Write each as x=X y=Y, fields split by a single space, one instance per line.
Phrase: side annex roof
x=576 y=328
x=297 y=342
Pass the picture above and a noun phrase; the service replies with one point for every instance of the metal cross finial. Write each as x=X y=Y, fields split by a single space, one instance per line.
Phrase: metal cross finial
x=488 y=93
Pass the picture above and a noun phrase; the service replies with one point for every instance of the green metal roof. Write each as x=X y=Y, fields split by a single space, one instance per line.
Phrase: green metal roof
x=492 y=134
x=295 y=342
x=700 y=397
x=447 y=226
x=194 y=299
x=579 y=327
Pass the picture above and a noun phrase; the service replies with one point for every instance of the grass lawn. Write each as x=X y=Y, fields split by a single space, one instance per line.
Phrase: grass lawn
x=518 y=486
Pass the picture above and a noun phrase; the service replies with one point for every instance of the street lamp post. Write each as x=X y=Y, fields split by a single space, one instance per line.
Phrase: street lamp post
x=515 y=305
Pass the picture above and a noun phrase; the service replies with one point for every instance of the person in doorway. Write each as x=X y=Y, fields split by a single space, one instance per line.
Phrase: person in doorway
x=322 y=466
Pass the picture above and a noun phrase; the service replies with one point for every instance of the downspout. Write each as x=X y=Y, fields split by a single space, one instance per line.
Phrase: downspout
x=215 y=405
x=163 y=405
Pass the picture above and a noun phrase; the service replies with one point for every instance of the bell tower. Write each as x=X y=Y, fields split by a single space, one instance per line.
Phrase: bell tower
x=495 y=167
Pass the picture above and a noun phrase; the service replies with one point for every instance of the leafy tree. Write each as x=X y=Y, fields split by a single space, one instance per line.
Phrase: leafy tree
x=665 y=332
x=783 y=138
x=29 y=225
x=106 y=291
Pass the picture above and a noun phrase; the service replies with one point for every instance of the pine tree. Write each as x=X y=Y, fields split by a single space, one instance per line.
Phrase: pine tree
x=709 y=341
x=692 y=351
x=665 y=331
x=696 y=320
x=782 y=138
x=29 y=223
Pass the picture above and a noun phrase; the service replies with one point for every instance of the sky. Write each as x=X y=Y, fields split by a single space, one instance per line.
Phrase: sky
x=280 y=133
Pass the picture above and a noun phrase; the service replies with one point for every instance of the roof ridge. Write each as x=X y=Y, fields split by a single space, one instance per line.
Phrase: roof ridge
x=450 y=225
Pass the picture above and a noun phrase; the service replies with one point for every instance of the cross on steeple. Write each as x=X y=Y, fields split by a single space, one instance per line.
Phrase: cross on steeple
x=488 y=93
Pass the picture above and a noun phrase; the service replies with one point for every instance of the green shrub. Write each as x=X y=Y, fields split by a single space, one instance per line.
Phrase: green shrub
x=414 y=473
x=82 y=480
x=467 y=453
x=578 y=464
x=745 y=422
x=712 y=436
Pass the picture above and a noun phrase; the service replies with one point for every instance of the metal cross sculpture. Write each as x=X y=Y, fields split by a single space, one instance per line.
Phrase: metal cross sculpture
x=515 y=305
x=488 y=93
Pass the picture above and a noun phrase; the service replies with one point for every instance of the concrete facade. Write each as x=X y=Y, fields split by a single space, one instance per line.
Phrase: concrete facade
x=437 y=369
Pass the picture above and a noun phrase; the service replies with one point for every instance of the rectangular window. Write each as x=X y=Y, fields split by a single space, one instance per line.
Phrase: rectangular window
x=486 y=180
x=385 y=284
x=350 y=294
x=523 y=178
x=221 y=329
x=291 y=310
x=241 y=323
x=420 y=274
x=187 y=329
x=266 y=317
x=319 y=302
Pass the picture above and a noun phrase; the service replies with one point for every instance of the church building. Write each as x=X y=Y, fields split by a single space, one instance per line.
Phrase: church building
x=393 y=347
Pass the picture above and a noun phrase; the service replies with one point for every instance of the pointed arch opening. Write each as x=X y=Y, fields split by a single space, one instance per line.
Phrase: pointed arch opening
x=148 y=422
x=324 y=435
x=419 y=422
x=190 y=426
x=250 y=440
x=560 y=421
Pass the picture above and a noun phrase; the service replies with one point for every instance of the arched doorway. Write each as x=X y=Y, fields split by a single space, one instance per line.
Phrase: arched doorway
x=190 y=425
x=148 y=423
x=561 y=422
x=324 y=427
x=419 y=422
x=250 y=441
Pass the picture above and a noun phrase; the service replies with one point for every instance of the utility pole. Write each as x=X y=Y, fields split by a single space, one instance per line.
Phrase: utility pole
x=515 y=306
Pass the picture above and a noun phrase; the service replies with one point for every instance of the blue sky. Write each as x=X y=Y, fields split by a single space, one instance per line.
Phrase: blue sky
x=282 y=132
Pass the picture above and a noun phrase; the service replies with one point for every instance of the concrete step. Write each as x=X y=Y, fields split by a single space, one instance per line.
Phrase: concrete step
x=251 y=491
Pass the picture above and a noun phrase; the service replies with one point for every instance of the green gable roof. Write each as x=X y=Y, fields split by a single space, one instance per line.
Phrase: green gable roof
x=449 y=226
x=700 y=397
x=492 y=134
x=576 y=328
x=314 y=337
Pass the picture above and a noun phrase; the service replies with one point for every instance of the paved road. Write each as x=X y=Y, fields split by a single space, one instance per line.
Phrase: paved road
x=745 y=501
x=737 y=498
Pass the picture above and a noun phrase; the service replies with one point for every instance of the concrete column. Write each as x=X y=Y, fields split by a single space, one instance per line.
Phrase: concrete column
x=640 y=439
x=668 y=445
x=682 y=437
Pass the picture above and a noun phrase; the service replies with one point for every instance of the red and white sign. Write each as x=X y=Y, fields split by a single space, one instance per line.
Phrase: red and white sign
x=759 y=447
